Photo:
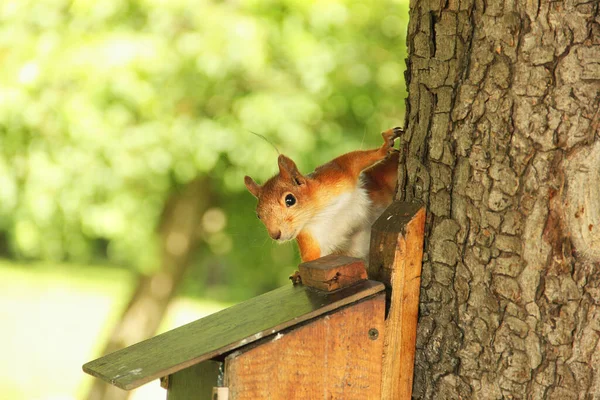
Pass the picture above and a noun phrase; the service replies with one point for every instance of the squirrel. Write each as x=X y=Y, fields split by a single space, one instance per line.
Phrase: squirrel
x=331 y=210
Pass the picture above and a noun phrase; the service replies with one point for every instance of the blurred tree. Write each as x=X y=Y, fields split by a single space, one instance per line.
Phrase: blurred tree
x=113 y=111
x=178 y=240
x=107 y=107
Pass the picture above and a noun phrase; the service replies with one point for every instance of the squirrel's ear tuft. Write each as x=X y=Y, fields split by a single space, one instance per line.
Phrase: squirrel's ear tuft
x=288 y=170
x=252 y=186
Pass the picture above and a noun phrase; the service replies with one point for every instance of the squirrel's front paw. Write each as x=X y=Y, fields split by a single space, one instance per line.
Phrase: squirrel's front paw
x=296 y=278
x=397 y=132
x=390 y=136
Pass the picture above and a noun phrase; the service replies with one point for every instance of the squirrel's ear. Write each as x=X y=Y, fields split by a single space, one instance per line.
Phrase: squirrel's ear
x=288 y=170
x=252 y=186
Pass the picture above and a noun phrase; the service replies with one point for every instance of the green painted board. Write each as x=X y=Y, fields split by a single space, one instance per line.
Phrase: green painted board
x=222 y=332
x=195 y=382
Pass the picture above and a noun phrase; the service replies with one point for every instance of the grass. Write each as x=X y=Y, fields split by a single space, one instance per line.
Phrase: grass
x=57 y=317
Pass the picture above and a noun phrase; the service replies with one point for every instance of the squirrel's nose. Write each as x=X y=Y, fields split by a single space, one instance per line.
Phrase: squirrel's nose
x=276 y=235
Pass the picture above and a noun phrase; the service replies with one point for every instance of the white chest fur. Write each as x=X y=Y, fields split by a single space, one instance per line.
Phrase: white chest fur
x=344 y=225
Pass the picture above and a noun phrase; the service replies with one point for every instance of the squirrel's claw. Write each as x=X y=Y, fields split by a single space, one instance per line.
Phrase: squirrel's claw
x=390 y=136
x=397 y=132
x=296 y=278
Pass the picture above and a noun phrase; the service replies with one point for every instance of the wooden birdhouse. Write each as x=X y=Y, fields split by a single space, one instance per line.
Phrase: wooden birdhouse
x=327 y=337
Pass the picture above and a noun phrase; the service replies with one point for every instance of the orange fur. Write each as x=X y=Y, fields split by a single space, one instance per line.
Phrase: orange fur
x=381 y=180
x=328 y=192
x=309 y=247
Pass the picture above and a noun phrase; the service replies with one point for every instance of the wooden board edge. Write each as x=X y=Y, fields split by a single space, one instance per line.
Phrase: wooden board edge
x=371 y=288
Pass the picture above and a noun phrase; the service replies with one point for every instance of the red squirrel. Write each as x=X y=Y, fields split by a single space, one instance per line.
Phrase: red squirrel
x=330 y=210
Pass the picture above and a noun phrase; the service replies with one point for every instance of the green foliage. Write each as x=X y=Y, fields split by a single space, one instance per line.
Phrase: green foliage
x=107 y=107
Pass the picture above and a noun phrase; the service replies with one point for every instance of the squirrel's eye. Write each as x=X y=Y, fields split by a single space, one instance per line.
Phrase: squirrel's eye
x=290 y=200
x=258 y=215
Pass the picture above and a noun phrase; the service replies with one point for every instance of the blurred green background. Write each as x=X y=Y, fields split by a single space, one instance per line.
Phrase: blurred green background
x=125 y=132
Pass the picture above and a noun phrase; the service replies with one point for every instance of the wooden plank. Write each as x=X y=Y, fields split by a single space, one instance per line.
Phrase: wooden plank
x=332 y=272
x=395 y=259
x=221 y=332
x=336 y=356
x=195 y=382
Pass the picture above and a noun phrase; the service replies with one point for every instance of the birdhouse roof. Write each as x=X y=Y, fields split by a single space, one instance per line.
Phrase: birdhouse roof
x=222 y=332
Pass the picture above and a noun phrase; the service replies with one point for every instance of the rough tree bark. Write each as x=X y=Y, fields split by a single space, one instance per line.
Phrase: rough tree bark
x=178 y=232
x=503 y=146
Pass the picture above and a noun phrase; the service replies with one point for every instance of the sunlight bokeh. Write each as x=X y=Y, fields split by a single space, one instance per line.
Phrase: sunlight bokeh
x=126 y=128
x=54 y=319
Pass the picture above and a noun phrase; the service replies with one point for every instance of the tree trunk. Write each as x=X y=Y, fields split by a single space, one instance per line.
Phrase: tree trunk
x=503 y=147
x=142 y=316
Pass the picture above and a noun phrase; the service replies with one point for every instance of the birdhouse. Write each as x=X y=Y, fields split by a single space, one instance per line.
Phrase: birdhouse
x=327 y=337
